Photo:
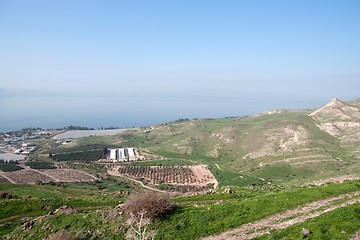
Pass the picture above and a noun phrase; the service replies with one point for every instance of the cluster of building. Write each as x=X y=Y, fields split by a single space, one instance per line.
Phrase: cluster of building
x=16 y=145
x=121 y=155
x=25 y=148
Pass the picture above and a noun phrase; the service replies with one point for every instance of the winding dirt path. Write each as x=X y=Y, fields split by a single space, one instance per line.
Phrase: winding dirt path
x=52 y=177
x=218 y=166
x=114 y=171
x=288 y=218
x=9 y=179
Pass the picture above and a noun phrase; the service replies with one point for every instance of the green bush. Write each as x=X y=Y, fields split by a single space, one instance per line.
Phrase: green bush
x=40 y=165
x=9 y=167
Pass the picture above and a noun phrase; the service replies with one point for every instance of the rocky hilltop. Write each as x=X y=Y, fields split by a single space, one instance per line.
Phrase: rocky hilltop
x=339 y=119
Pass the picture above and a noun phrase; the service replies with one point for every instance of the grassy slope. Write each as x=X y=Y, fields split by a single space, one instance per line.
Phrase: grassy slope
x=29 y=200
x=245 y=149
x=227 y=141
x=205 y=217
x=338 y=224
x=195 y=217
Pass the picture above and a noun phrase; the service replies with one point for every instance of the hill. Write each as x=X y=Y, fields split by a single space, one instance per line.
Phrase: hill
x=276 y=147
x=280 y=146
x=274 y=157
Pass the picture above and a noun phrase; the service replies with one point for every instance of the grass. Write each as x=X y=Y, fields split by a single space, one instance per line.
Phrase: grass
x=227 y=178
x=192 y=222
x=195 y=217
x=227 y=142
x=29 y=202
x=339 y=224
x=283 y=172
x=29 y=199
x=102 y=224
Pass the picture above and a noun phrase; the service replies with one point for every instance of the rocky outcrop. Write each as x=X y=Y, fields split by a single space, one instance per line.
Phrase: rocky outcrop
x=339 y=119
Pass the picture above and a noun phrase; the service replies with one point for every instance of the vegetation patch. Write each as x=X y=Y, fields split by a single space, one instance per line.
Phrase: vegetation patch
x=9 y=166
x=40 y=165
x=86 y=156
x=227 y=178
x=153 y=205
x=188 y=220
x=341 y=223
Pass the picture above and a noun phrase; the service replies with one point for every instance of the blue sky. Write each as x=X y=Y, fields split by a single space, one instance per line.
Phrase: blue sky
x=182 y=51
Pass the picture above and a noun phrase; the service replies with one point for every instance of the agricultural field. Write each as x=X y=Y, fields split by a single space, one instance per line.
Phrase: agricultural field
x=86 y=156
x=193 y=175
x=40 y=165
x=4 y=180
x=9 y=167
x=68 y=175
x=31 y=176
x=27 y=177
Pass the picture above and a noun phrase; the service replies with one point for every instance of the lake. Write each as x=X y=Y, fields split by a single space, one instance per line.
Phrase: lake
x=124 y=112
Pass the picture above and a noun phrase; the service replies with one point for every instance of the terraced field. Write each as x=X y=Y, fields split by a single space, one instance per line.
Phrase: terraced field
x=31 y=176
x=197 y=175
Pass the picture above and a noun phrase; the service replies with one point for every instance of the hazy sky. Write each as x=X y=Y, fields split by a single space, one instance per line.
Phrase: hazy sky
x=181 y=51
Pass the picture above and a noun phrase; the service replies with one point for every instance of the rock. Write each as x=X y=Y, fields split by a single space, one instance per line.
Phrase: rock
x=46 y=207
x=66 y=210
x=227 y=190
x=28 y=225
x=305 y=232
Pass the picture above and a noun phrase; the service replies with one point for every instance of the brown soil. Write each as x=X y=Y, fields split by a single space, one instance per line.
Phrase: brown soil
x=32 y=176
x=201 y=176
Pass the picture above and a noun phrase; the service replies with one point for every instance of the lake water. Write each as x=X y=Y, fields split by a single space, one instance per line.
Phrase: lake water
x=56 y=112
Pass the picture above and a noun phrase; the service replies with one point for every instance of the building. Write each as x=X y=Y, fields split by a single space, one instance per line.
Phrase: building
x=121 y=155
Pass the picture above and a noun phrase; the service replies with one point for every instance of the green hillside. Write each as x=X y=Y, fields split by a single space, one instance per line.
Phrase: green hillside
x=280 y=146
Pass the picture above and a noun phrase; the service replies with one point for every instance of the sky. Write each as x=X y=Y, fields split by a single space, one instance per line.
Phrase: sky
x=153 y=61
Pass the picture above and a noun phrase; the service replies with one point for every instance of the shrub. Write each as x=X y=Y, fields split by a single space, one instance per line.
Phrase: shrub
x=139 y=228
x=5 y=195
x=152 y=205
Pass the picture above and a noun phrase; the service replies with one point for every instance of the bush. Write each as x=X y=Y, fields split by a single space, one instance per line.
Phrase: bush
x=5 y=195
x=9 y=167
x=41 y=165
x=151 y=205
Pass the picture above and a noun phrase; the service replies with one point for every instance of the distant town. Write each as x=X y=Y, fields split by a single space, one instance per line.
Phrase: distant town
x=16 y=145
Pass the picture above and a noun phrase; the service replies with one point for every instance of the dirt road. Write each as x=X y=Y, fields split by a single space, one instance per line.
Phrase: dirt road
x=114 y=171
x=288 y=218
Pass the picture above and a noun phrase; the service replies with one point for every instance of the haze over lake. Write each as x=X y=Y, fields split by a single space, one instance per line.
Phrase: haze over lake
x=105 y=111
